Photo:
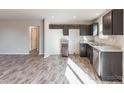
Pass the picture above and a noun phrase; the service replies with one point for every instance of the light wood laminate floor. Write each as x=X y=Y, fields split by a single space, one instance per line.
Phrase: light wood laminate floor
x=22 y=69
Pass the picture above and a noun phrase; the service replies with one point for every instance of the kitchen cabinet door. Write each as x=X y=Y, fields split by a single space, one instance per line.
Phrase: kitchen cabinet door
x=117 y=16
x=65 y=31
x=113 y=22
x=85 y=30
x=82 y=30
x=111 y=66
x=90 y=53
x=107 y=24
x=83 y=49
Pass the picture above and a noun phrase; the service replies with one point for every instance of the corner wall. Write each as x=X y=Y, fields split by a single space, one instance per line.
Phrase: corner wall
x=14 y=36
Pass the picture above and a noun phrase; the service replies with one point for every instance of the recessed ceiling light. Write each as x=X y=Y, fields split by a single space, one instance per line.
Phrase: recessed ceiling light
x=52 y=17
x=74 y=17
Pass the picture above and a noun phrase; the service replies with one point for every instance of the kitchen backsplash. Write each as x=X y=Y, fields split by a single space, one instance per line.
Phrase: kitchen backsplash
x=111 y=40
x=86 y=38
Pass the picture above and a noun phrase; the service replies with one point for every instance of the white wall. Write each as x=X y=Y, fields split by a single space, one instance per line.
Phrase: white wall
x=53 y=40
x=14 y=36
x=74 y=39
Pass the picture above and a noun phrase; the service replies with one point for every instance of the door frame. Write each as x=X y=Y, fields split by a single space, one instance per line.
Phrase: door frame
x=30 y=42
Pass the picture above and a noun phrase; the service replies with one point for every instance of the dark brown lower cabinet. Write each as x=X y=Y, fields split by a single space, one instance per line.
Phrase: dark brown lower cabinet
x=108 y=65
x=90 y=53
x=111 y=66
x=83 y=50
x=86 y=51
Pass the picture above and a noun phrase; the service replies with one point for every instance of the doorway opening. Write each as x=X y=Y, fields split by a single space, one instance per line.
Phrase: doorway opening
x=34 y=40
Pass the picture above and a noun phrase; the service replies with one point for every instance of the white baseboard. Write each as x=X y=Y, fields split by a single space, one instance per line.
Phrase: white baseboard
x=14 y=53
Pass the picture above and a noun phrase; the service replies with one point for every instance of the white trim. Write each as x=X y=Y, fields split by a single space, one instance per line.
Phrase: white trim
x=41 y=54
x=29 y=35
x=14 y=53
x=46 y=55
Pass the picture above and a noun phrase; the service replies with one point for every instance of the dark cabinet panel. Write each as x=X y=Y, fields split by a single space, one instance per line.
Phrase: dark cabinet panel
x=107 y=24
x=56 y=26
x=76 y=26
x=88 y=29
x=117 y=16
x=90 y=53
x=83 y=50
x=111 y=66
x=65 y=31
x=82 y=30
x=86 y=51
x=85 y=30
x=113 y=22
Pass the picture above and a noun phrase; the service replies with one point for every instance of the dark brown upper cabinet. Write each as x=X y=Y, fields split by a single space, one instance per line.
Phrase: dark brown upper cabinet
x=65 y=30
x=113 y=22
x=95 y=29
x=85 y=30
x=56 y=26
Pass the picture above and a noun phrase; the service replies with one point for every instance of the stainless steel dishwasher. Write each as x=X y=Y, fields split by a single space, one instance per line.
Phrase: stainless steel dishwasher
x=96 y=60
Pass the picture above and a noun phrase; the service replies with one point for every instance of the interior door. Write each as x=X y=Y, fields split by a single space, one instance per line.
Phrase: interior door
x=34 y=38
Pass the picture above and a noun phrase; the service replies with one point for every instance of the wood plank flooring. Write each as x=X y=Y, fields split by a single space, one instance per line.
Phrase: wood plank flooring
x=22 y=69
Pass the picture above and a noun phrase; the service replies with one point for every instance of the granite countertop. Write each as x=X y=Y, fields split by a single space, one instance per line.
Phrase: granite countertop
x=103 y=47
x=108 y=48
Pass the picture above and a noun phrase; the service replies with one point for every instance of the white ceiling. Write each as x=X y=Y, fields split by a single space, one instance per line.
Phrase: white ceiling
x=54 y=15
